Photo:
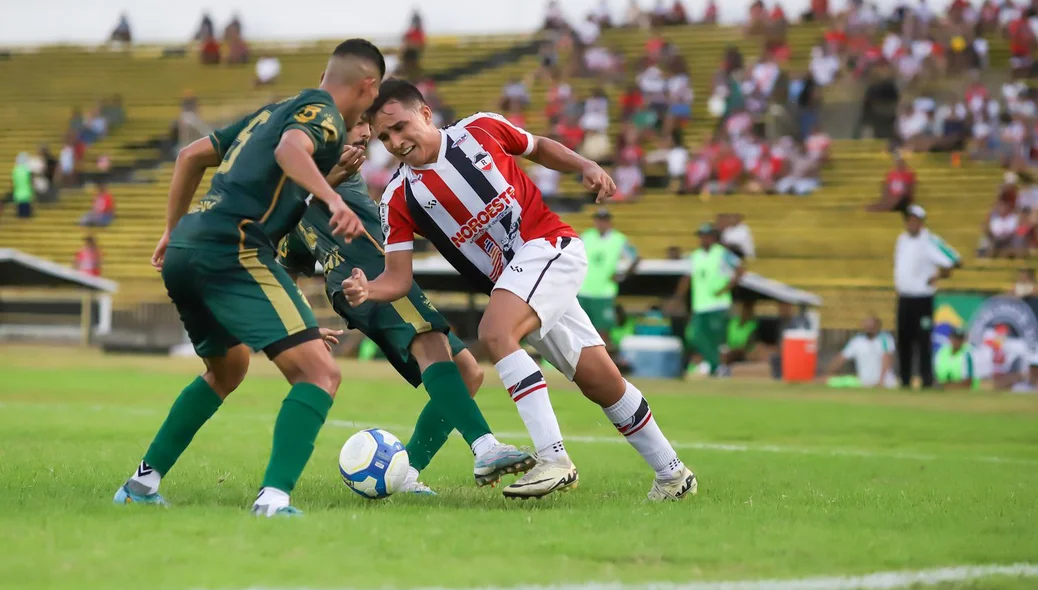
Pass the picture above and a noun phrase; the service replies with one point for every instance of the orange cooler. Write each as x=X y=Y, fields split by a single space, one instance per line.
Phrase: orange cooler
x=799 y=355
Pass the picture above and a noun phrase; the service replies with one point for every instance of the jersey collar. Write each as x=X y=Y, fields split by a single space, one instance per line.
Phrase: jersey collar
x=441 y=157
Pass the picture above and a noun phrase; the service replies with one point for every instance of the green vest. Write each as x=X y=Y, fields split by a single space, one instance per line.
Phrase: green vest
x=21 y=180
x=739 y=333
x=603 y=258
x=709 y=276
x=954 y=367
x=619 y=332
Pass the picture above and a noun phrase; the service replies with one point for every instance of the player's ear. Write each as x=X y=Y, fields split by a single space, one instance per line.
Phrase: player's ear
x=427 y=113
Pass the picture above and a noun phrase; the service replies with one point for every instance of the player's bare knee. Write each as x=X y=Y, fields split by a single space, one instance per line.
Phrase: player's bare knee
x=497 y=339
x=327 y=377
x=224 y=374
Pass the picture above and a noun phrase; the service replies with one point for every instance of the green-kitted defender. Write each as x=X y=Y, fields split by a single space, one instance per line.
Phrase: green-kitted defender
x=220 y=269
x=218 y=264
x=409 y=330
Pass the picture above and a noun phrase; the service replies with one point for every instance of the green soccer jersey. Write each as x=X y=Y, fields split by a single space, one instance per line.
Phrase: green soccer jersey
x=251 y=203
x=312 y=241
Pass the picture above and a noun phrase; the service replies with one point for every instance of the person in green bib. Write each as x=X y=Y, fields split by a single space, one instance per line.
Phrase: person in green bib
x=953 y=365
x=606 y=249
x=713 y=275
x=22 y=192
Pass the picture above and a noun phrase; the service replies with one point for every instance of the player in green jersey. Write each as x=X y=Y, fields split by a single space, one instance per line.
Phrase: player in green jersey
x=218 y=264
x=413 y=335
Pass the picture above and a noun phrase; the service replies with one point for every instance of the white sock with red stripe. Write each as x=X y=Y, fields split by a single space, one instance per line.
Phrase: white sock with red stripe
x=633 y=418
x=528 y=390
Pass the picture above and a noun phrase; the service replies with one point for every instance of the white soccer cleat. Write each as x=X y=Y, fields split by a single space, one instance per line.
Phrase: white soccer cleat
x=674 y=489
x=415 y=487
x=545 y=477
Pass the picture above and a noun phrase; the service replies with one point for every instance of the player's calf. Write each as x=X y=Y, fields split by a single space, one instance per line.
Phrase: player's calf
x=315 y=377
x=471 y=372
x=600 y=381
x=449 y=394
x=193 y=408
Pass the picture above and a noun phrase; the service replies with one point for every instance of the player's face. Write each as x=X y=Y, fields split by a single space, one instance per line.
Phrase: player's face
x=359 y=135
x=408 y=133
x=365 y=91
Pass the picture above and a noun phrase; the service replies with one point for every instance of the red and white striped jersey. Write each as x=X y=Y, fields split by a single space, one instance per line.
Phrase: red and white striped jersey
x=474 y=203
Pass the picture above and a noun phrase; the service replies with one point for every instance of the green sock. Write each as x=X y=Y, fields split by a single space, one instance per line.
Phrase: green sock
x=196 y=405
x=302 y=414
x=450 y=396
x=430 y=433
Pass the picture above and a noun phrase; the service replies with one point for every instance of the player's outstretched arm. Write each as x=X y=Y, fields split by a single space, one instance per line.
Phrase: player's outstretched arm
x=552 y=154
x=294 y=154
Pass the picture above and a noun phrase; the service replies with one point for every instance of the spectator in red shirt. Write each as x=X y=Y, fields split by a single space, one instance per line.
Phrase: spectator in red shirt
x=819 y=11
x=898 y=191
x=570 y=133
x=631 y=101
x=88 y=258
x=102 y=213
x=769 y=168
x=677 y=14
x=414 y=45
x=727 y=172
x=710 y=15
x=210 y=52
x=654 y=47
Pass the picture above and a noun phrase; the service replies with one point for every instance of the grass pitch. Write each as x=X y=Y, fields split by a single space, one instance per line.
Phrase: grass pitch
x=794 y=482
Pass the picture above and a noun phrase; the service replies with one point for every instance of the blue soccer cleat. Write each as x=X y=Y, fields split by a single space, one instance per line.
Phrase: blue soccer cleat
x=498 y=461
x=271 y=512
x=133 y=493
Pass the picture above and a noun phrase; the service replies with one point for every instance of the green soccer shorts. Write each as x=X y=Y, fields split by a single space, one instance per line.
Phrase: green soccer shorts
x=601 y=310
x=393 y=326
x=225 y=298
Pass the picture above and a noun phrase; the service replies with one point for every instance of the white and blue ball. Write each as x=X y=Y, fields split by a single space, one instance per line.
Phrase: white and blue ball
x=373 y=463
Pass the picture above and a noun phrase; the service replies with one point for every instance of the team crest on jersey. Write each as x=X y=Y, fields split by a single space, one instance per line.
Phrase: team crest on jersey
x=483 y=161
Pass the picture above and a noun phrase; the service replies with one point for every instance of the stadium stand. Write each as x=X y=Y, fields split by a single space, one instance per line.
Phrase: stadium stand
x=826 y=243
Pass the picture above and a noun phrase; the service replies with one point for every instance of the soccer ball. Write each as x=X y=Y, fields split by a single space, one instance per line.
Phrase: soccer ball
x=373 y=463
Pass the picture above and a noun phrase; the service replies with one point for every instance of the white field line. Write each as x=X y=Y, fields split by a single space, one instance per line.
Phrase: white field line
x=874 y=581
x=697 y=446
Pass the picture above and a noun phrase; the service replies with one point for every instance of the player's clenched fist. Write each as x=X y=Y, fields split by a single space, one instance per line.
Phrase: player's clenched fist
x=355 y=288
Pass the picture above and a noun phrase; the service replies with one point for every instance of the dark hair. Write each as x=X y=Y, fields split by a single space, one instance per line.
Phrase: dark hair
x=363 y=49
x=396 y=89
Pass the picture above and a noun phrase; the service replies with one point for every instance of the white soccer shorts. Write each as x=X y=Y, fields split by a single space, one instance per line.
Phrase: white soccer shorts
x=548 y=276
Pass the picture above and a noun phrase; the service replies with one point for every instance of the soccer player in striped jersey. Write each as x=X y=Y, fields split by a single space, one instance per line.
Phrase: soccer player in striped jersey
x=461 y=188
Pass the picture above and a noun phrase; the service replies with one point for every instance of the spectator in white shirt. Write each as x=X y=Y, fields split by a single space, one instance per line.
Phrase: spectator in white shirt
x=515 y=90
x=587 y=31
x=601 y=14
x=824 y=65
x=629 y=180
x=872 y=351
x=596 y=113
x=1000 y=232
x=736 y=234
